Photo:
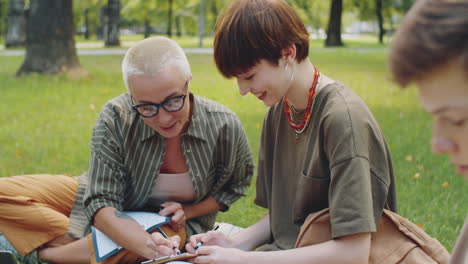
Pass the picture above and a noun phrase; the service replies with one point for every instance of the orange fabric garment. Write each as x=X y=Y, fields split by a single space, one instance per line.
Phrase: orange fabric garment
x=34 y=209
x=126 y=256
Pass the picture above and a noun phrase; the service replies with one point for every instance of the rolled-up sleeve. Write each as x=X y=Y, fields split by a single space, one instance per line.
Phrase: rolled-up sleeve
x=106 y=174
x=351 y=203
x=357 y=193
x=239 y=169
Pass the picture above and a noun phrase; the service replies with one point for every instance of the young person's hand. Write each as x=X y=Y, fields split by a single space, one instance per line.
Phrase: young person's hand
x=163 y=246
x=210 y=238
x=175 y=209
x=220 y=255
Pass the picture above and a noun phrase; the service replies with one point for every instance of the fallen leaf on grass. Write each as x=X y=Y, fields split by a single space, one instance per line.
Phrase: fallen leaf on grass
x=445 y=184
x=19 y=154
x=409 y=158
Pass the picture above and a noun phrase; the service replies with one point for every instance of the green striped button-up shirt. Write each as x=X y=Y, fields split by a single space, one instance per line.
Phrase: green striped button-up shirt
x=126 y=156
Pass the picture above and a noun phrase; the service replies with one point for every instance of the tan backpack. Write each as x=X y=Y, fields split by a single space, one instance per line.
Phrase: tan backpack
x=397 y=240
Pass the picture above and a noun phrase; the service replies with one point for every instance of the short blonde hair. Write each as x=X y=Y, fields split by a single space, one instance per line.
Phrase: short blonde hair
x=153 y=55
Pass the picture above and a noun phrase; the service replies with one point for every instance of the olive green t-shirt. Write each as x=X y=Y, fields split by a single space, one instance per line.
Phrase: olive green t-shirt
x=341 y=161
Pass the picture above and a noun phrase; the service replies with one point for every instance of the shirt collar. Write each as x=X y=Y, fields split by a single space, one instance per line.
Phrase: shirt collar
x=198 y=124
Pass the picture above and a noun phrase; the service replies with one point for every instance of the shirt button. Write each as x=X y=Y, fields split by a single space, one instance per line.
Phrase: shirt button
x=188 y=151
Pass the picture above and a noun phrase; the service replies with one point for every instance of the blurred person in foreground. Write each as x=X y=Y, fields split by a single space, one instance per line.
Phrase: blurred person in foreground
x=431 y=49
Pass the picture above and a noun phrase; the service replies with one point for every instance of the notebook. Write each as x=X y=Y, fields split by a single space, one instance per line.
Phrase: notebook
x=104 y=247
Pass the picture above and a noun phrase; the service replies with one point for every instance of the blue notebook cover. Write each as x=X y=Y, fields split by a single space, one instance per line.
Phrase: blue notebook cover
x=104 y=247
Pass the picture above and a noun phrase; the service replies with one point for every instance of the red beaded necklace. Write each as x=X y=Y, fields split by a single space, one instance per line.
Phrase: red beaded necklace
x=300 y=127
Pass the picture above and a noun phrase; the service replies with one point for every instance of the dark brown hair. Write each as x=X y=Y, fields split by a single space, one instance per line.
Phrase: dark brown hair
x=250 y=30
x=433 y=33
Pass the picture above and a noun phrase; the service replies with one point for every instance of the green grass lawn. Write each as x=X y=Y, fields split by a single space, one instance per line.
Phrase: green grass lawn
x=46 y=123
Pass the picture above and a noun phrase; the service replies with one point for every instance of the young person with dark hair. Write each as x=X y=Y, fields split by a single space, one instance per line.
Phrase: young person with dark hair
x=320 y=145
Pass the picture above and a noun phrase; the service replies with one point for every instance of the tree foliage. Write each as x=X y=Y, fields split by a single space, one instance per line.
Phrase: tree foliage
x=185 y=15
x=92 y=7
x=188 y=18
x=313 y=13
x=3 y=17
x=403 y=5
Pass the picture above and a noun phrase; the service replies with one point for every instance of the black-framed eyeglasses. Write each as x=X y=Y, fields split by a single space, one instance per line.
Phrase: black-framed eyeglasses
x=171 y=104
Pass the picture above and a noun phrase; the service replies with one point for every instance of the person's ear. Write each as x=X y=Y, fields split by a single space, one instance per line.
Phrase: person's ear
x=289 y=53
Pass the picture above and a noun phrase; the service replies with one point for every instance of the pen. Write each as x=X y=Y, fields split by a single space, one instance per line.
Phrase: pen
x=199 y=244
x=177 y=251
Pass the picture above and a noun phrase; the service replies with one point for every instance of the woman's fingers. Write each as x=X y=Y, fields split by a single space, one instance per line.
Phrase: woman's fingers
x=208 y=239
x=161 y=245
x=192 y=244
x=195 y=239
x=170 y=208
x=178 y=219
x=220 y=255
x=175 y=241
x=203 y=255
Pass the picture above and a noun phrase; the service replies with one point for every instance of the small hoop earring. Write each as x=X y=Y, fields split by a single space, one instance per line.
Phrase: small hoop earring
x=292 y=71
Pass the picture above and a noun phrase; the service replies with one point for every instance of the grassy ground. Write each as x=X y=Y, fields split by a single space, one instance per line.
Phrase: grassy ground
x=46 y=123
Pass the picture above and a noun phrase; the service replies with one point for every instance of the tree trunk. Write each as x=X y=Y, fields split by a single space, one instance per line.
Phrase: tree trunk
x=178 y=25
x=201 y=23
x=334 y=24
x=86 y=23
x=214 y=9
x=2 y=19
x=50 y=46
x=147 y=27
x=378 y=11
x=111 y=28
x=169 y=19
x=102 y=23
x=16 y=31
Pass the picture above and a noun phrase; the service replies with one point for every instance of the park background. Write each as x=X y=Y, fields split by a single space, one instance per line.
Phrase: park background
x=46 y=120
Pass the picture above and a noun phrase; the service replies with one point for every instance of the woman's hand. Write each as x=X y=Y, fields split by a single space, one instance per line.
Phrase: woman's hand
x=210 y=238
x=178 y=217
x=220 y=255
x=163 y=246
